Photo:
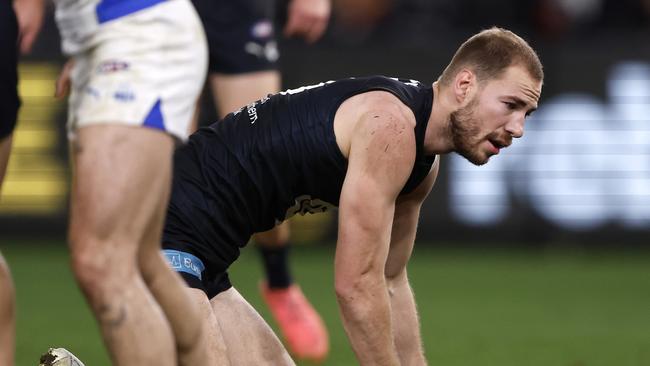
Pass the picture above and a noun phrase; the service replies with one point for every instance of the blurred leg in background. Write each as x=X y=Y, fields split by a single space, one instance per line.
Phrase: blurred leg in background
x=7 y=316
x=138 y=67
x=20 y=23
x=242 y=68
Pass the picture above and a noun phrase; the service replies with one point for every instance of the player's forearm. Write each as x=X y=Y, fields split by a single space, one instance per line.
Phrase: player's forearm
x=406 y=330
x=366 y=316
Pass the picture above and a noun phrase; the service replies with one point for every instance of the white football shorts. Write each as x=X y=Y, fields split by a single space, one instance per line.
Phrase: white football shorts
x=136 y=62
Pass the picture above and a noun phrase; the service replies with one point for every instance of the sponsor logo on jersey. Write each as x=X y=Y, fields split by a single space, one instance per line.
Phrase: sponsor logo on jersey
x=252 y=112
x=251 y=109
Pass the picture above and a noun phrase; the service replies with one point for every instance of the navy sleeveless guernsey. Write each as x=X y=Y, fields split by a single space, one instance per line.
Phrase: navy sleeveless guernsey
x=269 y=160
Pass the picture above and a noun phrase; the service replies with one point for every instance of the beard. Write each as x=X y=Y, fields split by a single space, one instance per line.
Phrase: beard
x=465 y=133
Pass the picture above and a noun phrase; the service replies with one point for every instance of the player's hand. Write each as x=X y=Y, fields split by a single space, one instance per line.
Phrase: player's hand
x=307 y=19
x=30 y=20
x=63 y=81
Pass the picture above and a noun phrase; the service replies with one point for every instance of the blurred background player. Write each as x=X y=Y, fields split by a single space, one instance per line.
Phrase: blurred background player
x=20 y=23
x=242 y=68
x=137 y=68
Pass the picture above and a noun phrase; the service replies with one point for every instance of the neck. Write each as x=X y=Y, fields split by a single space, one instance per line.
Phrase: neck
x=437 y=137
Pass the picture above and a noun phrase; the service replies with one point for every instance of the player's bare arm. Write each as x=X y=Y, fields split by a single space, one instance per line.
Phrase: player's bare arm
x=406 y=330
x=380 y=159
x=307 y=19
x=30 y=20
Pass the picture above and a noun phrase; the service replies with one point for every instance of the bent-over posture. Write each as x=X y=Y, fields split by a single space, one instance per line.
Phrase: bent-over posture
x=368 y=146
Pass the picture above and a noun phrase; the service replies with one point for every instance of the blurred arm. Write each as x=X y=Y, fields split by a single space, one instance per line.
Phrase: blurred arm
x=406 y=331
x=380 y=160
x=307 y=19
x=63 y=81
x=30 y=20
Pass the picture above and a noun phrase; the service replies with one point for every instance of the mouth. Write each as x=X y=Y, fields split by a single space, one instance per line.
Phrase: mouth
x=497 y=145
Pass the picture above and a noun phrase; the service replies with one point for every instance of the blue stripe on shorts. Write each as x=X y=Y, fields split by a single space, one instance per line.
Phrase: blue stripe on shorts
x=108 y=10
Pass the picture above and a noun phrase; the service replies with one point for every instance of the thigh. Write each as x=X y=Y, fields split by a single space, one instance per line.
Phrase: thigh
x=232 y=92
x=248 y=338
x=218 y=354
x=121 y=174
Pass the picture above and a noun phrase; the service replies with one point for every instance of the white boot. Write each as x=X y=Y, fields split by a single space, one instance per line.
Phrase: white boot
x=59 y=357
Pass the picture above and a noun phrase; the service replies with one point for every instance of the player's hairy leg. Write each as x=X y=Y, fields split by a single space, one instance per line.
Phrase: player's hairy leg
x=249 y=340
x=7 y=295
x=7 y=315
x=173 y=296
x=276 y=237
x=214 y=338
x=119 y=178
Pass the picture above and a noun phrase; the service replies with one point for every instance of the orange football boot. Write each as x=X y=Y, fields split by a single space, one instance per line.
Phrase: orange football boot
x=301 y=326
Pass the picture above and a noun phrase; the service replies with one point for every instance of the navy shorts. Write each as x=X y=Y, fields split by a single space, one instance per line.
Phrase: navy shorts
x=9 y=101
x=241 y=35
x=203 y=234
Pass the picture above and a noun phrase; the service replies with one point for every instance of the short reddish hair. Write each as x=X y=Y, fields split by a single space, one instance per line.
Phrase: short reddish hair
x=489 y=53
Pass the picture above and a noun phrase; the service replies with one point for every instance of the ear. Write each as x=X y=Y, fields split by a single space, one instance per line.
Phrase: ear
x=464 y=84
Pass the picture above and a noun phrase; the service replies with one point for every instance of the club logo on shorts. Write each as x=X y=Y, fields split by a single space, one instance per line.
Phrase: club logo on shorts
x=112 y=66
x=124 y=94
x=93 y=92
x=262 y=29
x=269 y=50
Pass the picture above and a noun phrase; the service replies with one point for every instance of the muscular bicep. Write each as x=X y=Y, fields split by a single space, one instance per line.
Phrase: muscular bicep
x=405 y=221
x=381 y=157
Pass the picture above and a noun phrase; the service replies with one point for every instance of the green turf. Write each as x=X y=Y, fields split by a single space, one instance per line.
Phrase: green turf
x=477 y=306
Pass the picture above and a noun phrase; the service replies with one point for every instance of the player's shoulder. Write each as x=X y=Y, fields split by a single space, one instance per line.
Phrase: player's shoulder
x=385 y=103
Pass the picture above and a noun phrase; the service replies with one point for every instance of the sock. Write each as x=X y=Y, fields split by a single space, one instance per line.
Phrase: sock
x=276 y=266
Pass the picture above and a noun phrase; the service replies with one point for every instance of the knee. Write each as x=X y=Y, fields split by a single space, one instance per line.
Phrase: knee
x=154 y=267
x=100 y=266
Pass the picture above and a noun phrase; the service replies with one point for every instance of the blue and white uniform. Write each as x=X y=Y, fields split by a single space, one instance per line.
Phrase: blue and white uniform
x=261 y=165
x=137 y=62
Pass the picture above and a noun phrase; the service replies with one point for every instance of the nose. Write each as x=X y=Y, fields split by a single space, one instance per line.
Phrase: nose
x=515 y=127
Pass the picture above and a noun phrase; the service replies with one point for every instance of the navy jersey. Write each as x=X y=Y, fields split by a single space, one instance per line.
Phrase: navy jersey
x=270 y=160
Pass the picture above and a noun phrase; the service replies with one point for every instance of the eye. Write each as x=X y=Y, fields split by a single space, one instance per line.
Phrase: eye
x=510 y=105
x=530 y=112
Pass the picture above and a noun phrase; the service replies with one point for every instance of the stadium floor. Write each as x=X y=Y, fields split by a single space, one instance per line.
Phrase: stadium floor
x=478 y=306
